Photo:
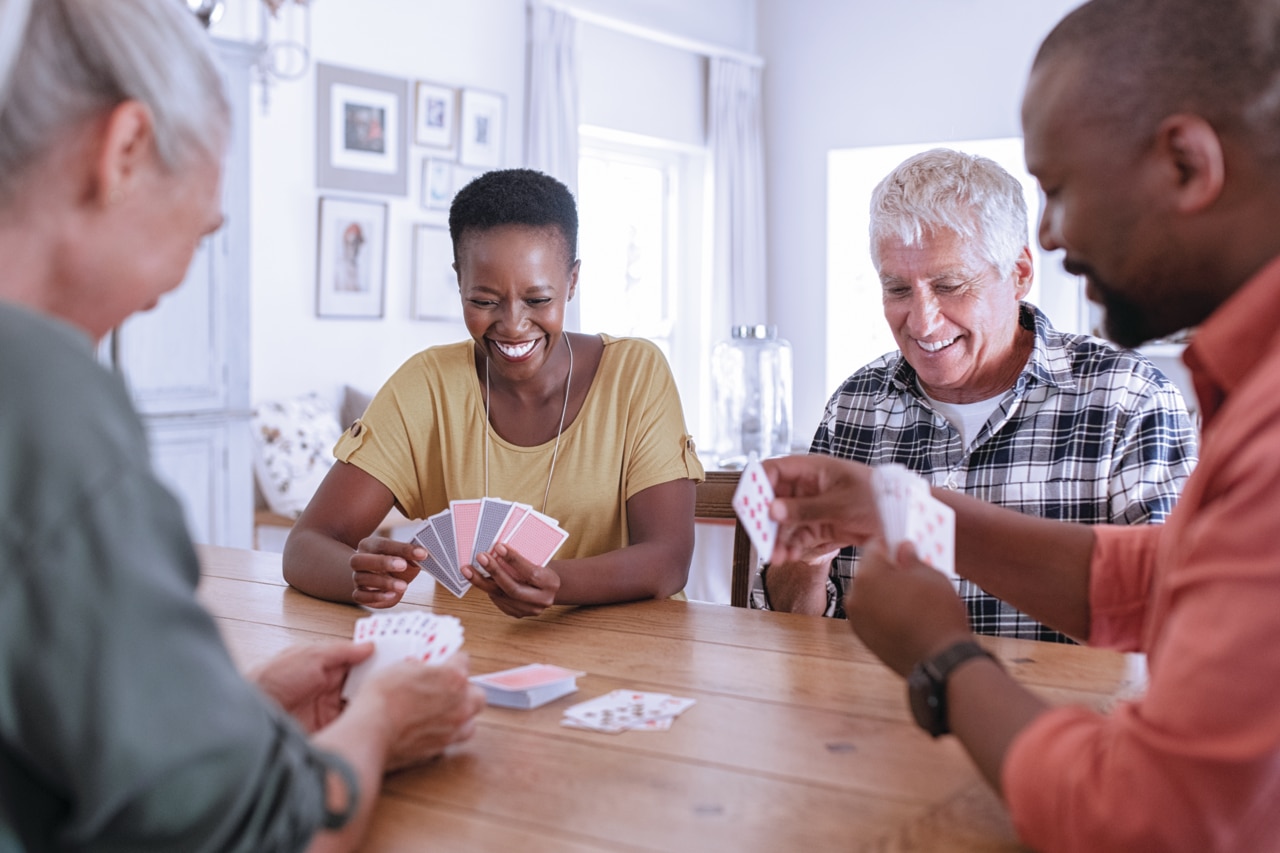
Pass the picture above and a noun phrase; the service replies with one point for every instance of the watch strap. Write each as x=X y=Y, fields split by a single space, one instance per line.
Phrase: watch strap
x=927 y=684
x=336 y=818
x=940 y=665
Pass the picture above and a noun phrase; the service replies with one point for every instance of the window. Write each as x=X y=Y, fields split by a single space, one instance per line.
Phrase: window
x=641 y=215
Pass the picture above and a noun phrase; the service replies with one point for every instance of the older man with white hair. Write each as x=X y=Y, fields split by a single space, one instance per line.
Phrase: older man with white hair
x=984 y=396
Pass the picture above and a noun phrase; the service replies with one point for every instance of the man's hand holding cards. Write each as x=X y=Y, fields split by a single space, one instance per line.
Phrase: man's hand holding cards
x=910 y=513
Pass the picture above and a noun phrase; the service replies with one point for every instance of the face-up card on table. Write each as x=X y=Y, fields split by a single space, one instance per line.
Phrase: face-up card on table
x=399 y=636
x=626 y=710
x=528 y=686
x=910 y=513
x=536 y=537
x=751 y=502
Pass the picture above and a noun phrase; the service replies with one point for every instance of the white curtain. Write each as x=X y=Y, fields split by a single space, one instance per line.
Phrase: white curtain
x=551 y=129
x=737 y=147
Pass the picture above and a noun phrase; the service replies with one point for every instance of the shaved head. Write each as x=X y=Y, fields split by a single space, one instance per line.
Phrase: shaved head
x=1149 y=59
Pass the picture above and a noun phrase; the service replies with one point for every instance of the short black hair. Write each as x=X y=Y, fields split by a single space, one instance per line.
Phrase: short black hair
x=1148 y=59
x=514 y=197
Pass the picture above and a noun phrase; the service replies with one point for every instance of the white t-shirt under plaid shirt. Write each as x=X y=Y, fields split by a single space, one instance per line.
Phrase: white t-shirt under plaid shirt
x=1089 y=433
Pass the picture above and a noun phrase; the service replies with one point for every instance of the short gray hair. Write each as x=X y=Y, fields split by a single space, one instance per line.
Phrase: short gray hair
x=970 y=195
x=77 y=58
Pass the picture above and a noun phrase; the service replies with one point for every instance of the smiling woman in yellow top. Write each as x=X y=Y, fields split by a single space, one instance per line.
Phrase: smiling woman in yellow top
x=586 y=428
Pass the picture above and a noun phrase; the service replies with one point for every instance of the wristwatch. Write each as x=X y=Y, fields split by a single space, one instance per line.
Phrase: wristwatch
x=927 y=685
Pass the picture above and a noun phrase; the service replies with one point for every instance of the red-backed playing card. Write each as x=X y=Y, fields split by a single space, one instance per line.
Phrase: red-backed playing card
x=536 y=538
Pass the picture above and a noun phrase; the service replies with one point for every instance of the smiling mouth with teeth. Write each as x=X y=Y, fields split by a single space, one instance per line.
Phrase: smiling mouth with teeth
x=515 y=350
x=935 y=346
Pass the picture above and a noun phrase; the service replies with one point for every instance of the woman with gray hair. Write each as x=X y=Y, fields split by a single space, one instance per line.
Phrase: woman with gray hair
x=123 y=723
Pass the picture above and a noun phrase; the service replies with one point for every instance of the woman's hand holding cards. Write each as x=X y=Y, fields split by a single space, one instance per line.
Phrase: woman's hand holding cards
x=382 y=570
x=518 y=587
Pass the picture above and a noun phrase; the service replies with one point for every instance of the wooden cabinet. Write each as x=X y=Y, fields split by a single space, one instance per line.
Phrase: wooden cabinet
x=186 y=362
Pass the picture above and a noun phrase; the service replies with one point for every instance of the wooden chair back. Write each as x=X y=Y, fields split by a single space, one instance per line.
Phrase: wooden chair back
x=714 y=501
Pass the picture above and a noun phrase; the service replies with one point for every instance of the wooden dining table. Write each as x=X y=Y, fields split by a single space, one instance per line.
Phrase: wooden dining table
x=800 y=740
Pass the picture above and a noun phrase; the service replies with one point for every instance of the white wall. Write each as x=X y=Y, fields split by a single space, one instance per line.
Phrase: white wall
x=845 y=73
x=475 y=43
x=478 y=44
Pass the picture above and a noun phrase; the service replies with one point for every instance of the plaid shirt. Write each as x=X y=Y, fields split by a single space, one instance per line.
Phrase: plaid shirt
x=1089 y=433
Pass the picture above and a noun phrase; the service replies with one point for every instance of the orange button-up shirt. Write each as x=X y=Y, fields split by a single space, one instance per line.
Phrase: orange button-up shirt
x=1194 y=764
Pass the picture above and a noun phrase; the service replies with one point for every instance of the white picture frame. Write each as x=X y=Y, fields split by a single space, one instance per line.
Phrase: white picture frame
x=483 y=129
x=437 y=183
x=351 y=250
x=361 y=131
x=435 y=284
x=435 y=114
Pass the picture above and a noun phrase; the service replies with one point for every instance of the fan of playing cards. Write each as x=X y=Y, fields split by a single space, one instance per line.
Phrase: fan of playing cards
x=427 y=637
x=910 y=513
x=453 y=537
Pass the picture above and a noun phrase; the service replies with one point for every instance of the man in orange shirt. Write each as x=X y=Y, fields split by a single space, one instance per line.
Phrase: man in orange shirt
x=1153 y=127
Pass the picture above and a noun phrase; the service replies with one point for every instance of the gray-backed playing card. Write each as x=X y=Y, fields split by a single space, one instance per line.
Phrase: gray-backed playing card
x=493 y=515
x=435 y=566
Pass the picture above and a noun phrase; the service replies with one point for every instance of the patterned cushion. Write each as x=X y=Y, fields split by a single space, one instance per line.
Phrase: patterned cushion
x=293 y=450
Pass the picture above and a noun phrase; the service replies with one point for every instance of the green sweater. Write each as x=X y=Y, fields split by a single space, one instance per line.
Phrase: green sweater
x=124 y=725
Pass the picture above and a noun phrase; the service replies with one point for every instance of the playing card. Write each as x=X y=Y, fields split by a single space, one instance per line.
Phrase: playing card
x=442 y=523
x=931 y=527
x=527 y=686
x=401 y=635
x=536 y=537
x=910 y=513
x=626 y=710
x=435 y=564
x=527 y=676
x=466 y=518
x=518 y=512
x=493 y=516
x=751 y=502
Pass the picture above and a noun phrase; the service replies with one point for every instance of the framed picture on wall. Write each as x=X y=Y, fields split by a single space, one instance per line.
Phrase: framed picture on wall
x=437 y=183
x=435 y=111
x=483 y=128
x=361 y=131
x=351 y=258
x=435 y=284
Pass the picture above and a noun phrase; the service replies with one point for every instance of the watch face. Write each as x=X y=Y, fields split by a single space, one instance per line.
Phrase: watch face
x=925 y=701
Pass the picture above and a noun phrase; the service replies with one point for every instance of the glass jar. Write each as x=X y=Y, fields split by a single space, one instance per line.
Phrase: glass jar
x=751 y=375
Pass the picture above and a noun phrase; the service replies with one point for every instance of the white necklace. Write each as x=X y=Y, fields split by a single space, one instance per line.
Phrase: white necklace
x=555 y=451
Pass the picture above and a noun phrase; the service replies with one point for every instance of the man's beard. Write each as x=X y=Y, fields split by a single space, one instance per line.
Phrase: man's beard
x=1123 y=321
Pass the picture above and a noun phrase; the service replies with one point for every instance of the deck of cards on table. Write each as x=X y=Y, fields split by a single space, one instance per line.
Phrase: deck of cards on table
x=625 y=711
x=528 y=686
x=454 y=536
x=751 y=502
x=910 y=513
x=427 y=637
